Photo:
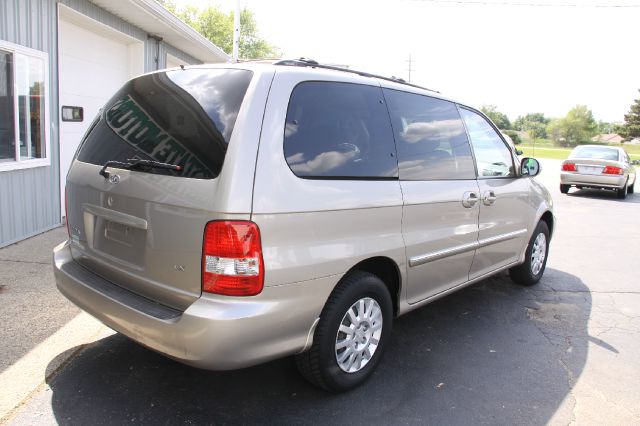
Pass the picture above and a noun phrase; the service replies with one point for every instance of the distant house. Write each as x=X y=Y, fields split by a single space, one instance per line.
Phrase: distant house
x=60 y=61
x=608 y=138
x=634 y=141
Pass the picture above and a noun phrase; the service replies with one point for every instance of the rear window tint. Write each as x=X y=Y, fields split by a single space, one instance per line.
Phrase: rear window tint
x=339 y=131
x=182 y=117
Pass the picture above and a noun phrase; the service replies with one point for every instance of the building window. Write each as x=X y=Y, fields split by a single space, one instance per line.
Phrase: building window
x=24 y=107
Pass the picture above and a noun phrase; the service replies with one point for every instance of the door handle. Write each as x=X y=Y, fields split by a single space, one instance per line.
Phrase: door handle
x=488 y=198
x=469 y=199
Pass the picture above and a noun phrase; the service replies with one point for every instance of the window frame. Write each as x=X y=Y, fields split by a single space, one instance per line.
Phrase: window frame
x=17 y=163
x=516 y=173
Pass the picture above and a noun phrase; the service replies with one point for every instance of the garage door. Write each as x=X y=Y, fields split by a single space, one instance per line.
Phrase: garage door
x=94 y=61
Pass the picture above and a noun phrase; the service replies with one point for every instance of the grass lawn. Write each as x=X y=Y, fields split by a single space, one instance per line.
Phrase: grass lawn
x=544 y=152
x=563 y=153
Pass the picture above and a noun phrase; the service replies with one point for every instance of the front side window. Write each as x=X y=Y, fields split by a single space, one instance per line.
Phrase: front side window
x=432 y=143
x=22 y=106
x=339 y=131
x=493 y=158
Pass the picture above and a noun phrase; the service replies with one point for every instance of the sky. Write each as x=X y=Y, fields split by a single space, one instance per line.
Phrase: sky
x=520 y=55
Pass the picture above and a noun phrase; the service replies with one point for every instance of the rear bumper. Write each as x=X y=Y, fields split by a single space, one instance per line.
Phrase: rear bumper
x=596 y=181
x=215 y=332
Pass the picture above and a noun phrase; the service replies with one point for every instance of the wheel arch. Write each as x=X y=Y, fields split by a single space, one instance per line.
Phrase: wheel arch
x=548 y=218
x=388 y=271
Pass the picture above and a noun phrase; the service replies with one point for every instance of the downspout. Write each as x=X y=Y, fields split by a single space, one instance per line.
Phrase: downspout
x=236 y=33
x=158 y=41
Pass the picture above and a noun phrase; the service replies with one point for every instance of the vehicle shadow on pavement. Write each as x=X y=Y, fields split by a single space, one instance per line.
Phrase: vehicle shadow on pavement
x=603 y=195
x=494 y=353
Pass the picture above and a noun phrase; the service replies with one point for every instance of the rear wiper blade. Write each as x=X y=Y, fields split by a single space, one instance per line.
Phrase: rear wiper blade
x=135 y=163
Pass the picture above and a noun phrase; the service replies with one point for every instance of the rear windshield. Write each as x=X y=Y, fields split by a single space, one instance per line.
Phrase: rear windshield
x=595 y=152
x=181 y=117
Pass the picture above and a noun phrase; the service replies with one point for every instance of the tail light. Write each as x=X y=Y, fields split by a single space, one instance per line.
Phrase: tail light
x=569 y=167
x=232 y=259
x=612 y=170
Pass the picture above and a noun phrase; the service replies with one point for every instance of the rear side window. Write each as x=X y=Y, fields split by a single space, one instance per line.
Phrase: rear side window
x=339 y=131
x=431 y=139
x=182 y=117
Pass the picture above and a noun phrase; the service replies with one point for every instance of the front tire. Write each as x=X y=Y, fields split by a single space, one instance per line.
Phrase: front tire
x=530 y=272
x=354 y=328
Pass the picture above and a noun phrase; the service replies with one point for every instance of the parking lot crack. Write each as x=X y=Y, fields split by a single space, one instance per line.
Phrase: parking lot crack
x=25 y=261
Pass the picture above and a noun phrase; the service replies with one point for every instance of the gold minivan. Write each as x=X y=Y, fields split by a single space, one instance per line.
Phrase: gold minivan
x=232 y=214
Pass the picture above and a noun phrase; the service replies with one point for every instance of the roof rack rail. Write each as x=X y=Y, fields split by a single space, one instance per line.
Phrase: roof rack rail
x=306 y=62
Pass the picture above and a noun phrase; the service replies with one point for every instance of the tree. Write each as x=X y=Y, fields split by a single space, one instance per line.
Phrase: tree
x=498 y=118
x=217 y=26
x=515 y=137
x=631 y=127
x=533 y=123
x=605 y=127
x=576 y=127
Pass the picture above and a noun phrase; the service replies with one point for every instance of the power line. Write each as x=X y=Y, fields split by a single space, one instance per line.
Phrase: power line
x=506 y=3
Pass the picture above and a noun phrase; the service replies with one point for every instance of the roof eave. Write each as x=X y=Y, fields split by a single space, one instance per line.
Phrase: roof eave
x=202 y=49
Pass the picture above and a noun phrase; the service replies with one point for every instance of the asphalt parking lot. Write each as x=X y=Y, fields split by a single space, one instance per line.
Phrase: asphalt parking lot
x=565 y=351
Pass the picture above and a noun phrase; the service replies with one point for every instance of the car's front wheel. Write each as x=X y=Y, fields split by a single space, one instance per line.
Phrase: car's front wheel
x=353 y=331
x=530 y=272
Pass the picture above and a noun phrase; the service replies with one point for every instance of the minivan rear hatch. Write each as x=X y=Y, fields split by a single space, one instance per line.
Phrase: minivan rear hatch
x=141 y=226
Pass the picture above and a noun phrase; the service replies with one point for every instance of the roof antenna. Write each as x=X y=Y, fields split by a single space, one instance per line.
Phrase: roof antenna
x=182 y=67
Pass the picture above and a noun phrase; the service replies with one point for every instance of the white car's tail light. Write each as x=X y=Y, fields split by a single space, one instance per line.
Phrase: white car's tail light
x=569 y=167
x=232 y=258
x=612 y=170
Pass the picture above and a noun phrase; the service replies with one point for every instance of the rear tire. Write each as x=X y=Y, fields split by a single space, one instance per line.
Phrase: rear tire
x=354 y=328
x=630 y=189
x=564 y=188
x=530 y=272
x=622 y=192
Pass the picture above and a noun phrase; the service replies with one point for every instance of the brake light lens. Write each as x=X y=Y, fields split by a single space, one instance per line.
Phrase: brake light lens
x=569 y=167
x=232 y=258
x=612 y=170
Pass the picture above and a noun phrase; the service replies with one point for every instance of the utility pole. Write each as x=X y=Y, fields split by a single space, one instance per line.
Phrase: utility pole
x=236 y=32
x=409 y=61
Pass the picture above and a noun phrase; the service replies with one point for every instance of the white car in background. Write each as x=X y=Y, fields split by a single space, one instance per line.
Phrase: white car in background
x=597 y=166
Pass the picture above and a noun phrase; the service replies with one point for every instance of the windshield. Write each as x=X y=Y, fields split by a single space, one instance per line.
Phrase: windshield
x=180 y=117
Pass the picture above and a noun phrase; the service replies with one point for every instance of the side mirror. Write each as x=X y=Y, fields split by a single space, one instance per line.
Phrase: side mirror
x=529 y=167
x=519 y=151
x=635 y=162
